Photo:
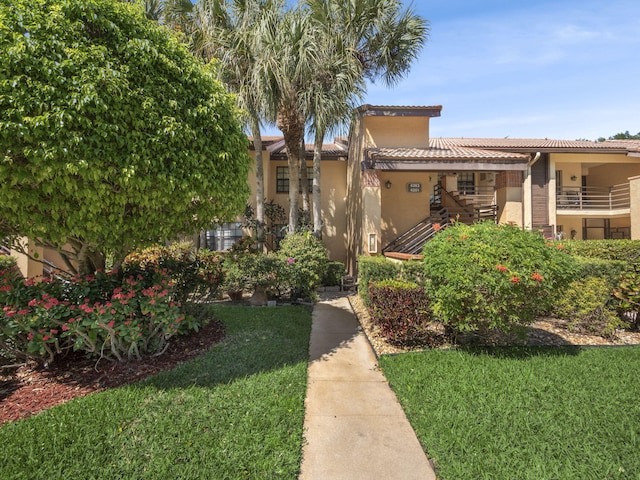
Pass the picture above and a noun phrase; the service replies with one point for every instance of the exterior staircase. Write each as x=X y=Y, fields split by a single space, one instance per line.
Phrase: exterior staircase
x=459 y=208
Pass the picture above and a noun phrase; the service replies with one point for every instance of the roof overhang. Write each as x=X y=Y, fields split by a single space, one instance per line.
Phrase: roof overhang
x=399 y=111
x=445 y=159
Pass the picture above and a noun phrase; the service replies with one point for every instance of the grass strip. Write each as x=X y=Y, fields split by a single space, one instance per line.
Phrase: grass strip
x=526 y=413
x=235 y=412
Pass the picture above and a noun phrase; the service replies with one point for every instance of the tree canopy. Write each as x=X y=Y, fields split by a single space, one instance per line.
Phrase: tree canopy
x=113 y=136
x=621 y=136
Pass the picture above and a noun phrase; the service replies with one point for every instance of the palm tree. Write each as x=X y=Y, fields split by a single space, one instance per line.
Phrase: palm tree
x=363 y=39
x=233 y=32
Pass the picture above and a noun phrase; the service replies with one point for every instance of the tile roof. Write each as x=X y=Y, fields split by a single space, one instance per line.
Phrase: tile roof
x=529 y=144
x=446 y=153
x=278 y=150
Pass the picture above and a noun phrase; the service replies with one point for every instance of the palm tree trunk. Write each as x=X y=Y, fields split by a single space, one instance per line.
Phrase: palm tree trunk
x=292 y=128
x=304 y=179
x=257 y=145
x=317 y=208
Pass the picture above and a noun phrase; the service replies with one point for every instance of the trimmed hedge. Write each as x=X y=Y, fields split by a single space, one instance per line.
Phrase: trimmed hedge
x=374 y=269
x=401 y=311
x=627 y=251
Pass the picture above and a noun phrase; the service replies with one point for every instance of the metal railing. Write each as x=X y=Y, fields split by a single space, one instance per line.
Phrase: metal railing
x=615 y=197
x=413 y=240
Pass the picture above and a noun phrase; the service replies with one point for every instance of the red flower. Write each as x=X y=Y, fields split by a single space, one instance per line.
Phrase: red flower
x=111 y=323
x=437 y=227
x=501 y=268
x=45 y=338
x=537 y=277
x=515 y=280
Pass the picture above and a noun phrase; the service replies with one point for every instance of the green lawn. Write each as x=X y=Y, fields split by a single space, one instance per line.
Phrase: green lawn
x=524 y=413
x=236 y=412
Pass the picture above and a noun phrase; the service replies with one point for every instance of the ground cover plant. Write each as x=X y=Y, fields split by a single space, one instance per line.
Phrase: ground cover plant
x=526 y=413
x=235 y=412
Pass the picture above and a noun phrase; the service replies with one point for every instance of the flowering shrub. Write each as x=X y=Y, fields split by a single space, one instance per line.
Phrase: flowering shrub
x=401 y=311
x=493 y=276
x=193 y=274
x=104 y=315
x=306 y=258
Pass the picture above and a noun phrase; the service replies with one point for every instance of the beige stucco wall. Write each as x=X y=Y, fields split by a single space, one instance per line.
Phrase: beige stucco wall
x=333 y=191
x=509 y=201
x=600 y=169
x=402 y=210
x=396 y=132
x=28 y=267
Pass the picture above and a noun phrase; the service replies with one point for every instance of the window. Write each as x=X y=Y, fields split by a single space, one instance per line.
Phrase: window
x=282 y=179
x=466 y=183
x=223 y=237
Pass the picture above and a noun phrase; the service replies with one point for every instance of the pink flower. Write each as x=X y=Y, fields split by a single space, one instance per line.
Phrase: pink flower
x=65 y=328
x=24 y=311
x=30 y=336
x=33 y=302
x=111 y=323
x=6 y=288
x=45 y=338
x=53 y=331
x=291 y=260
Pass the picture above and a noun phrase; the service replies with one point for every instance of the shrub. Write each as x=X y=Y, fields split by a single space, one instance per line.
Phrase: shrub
x=106 y=315
x=194 y=275
x=333 y=274
x=413 y=271
x=627 y=251
x=493 y=276
x=401 y=311
x=609 y=270
x=586 y=305
x=307 y=259
x=374 y=269
x=627 y=293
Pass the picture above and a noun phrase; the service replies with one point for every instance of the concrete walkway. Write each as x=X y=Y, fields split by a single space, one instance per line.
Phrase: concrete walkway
x=354 y=425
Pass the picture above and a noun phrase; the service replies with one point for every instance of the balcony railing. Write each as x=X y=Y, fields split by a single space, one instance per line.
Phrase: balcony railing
x=616 y=197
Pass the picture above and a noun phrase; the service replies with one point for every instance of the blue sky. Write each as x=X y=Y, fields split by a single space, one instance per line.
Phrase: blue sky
x=564 y=69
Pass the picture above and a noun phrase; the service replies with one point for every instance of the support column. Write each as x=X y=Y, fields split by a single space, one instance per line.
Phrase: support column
x=371 y=213
x=509 y=197
x=634 y=198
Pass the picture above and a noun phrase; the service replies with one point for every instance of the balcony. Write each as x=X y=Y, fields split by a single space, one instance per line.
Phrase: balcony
x=594 y=200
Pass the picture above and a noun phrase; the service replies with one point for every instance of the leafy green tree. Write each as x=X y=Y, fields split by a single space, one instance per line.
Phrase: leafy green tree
x=113 y=136
x=621 y=136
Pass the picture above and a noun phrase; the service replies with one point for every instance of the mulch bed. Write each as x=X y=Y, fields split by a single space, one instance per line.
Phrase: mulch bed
x=28 y=390
x=543 y=332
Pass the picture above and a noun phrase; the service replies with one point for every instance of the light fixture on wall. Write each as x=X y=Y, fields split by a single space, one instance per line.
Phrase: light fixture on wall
x=388 y=184
x=573 y=178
